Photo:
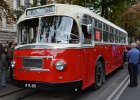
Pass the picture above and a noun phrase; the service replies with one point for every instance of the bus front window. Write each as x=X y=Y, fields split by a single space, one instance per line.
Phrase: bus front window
x=29 y=29
x=58 y=29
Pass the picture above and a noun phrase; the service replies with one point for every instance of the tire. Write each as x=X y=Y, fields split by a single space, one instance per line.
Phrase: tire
x=99 y=75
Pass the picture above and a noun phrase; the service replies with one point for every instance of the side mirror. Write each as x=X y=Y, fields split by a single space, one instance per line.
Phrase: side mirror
x=90 y=28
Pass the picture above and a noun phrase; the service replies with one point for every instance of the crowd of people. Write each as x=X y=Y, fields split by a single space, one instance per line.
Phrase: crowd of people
x=6 y=56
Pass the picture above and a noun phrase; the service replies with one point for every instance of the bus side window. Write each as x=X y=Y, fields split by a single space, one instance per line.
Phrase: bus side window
x=105 y=33
x=98 y=30
x=112 y=38
x=86 y=37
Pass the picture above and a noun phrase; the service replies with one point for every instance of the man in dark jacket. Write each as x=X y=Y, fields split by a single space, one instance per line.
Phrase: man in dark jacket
x=3 y=66
x=133 y=59
x=10 y=58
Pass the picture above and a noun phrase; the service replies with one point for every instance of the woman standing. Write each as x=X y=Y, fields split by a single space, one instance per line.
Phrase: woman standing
x=3 y=66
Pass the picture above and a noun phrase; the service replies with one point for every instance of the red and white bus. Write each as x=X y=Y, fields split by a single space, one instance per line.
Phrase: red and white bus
x=62 y=46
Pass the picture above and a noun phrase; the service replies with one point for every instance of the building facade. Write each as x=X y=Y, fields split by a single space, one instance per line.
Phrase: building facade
x=7 y=27
x=27 y=3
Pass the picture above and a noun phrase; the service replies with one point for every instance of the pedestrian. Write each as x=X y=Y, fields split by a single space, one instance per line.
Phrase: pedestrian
x=1 y=47
x=3 y=65
x=10 y=58
x=138 y=47
x=133 y=59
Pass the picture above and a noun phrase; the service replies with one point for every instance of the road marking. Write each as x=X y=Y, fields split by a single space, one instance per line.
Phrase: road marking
x=119 y=87
x=121 y=91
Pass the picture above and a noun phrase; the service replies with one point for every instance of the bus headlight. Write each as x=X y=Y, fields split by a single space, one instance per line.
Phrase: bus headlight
x=60 y=65
x=13 y=64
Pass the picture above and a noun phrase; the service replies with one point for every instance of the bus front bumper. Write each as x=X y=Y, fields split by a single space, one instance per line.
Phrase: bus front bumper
x=49 y=86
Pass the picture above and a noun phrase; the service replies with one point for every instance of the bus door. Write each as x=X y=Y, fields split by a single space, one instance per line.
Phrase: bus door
x=88 y=45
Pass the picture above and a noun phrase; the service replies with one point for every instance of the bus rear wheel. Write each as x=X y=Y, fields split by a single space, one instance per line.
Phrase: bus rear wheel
x=99 y=75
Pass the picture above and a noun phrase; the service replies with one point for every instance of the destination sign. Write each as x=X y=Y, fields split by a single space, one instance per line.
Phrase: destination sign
x=40 y=11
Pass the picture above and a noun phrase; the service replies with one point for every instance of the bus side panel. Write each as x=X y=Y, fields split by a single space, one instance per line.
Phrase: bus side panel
x=90 y=56
x=112 y=55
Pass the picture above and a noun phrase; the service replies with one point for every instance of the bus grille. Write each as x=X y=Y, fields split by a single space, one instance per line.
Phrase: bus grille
x=33 y=63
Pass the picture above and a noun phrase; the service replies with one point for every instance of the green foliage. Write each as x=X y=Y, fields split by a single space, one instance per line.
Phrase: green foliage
x=131 y=18
x=19 y=12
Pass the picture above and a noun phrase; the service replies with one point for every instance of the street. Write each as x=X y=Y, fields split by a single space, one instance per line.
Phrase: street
x=131 y=93
x=106 y=92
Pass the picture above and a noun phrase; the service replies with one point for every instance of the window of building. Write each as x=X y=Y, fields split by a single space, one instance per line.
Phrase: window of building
x=26 y=3
x=18 y=3
x=34 y=2
x=22 y=2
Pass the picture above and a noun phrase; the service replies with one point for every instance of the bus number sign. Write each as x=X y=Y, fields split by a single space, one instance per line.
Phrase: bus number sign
x=40 y=11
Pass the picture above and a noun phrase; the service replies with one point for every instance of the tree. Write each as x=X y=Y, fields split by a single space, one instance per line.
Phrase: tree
x=109 y=9
x=7 y=11
x=131 y=19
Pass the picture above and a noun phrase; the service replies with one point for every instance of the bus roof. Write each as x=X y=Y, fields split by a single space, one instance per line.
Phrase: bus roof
x=69 y=10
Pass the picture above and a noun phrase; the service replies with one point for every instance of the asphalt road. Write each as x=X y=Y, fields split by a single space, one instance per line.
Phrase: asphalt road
x=131 y=93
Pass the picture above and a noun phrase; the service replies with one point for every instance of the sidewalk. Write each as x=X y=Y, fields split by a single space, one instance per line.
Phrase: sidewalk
x=131 y=93
x=8 y=90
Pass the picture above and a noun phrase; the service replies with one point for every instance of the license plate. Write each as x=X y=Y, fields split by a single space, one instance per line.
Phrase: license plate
x=28 y=85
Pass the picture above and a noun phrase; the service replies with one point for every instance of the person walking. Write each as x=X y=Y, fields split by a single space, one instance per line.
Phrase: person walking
x=3 y=66
x=133 y=59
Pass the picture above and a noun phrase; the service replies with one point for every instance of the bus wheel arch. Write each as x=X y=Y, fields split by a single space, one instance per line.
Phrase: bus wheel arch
x=99 y=73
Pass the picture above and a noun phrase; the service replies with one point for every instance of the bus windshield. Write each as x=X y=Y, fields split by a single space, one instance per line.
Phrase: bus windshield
x=50 y=29
x=58 y=29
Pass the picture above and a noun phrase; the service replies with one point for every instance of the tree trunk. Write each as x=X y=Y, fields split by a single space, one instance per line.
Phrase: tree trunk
x=103 y=8
x=104 y=12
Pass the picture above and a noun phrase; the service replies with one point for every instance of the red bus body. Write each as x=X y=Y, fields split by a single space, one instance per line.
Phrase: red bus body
x=80 y=64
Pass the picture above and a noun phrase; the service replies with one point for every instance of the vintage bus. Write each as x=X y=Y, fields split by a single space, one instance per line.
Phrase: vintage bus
x=62 y=46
